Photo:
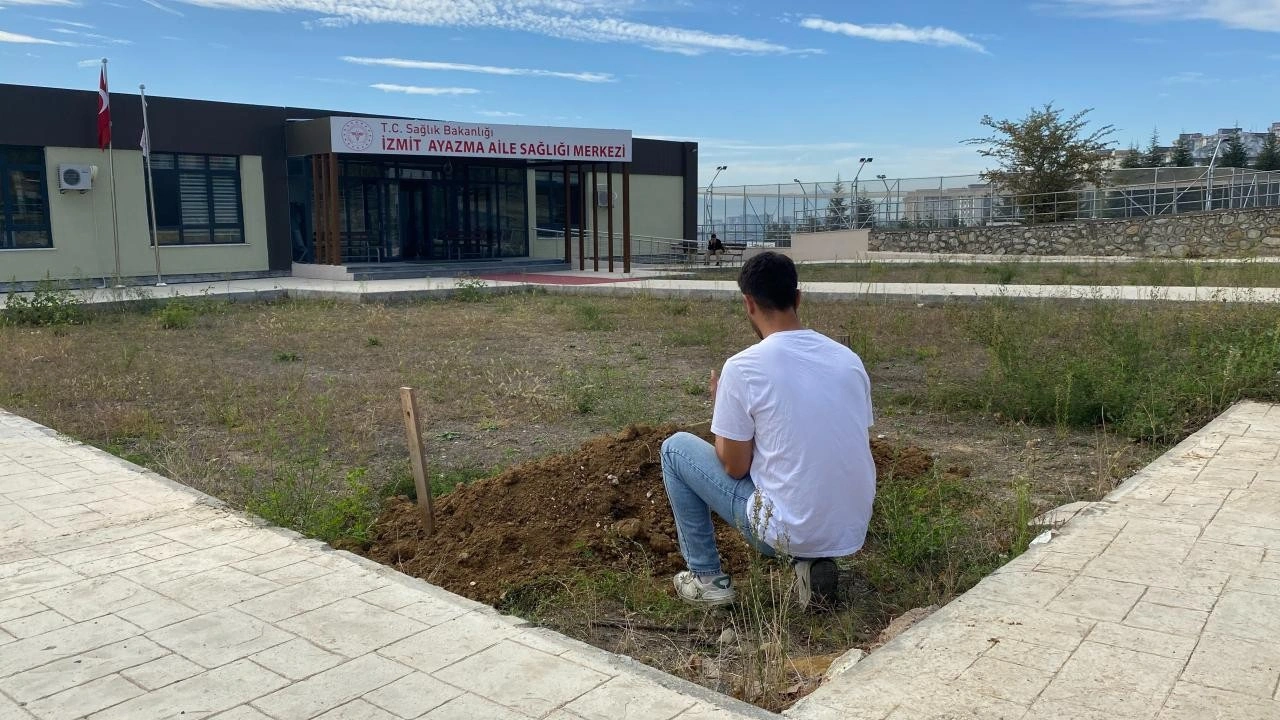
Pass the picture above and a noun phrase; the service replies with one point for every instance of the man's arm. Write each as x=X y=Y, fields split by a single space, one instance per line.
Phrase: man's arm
x=734 y=455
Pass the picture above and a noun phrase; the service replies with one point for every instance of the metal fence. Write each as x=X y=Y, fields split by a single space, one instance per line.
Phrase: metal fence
x=769 y=214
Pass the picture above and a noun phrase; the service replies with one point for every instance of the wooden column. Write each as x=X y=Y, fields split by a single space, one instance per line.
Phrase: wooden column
x=595 y=216
x=568 y=236
x=626 y=217
x=608 y=172
x=325 y=218
x=582 y=217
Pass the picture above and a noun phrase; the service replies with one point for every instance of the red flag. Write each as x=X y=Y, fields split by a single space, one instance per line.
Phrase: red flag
x=104 y=112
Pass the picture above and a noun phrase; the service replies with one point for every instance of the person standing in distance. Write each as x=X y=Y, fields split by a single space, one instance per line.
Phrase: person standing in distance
x=791 y=467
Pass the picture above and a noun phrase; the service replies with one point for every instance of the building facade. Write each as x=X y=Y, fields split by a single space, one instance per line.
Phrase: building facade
x=248 y=190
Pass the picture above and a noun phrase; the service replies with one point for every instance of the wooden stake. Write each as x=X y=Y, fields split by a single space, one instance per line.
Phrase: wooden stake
x=409 y=404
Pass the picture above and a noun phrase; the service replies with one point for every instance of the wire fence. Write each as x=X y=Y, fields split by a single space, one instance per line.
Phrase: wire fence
x=765 y=214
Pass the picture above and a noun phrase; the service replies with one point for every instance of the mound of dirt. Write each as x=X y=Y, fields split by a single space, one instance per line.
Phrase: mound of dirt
x=602 y=506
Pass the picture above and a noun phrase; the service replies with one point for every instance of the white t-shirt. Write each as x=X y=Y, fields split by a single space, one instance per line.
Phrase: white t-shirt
x=806 y=401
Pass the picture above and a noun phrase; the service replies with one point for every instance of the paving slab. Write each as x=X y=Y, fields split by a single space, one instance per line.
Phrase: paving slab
x=174 y=605
x=1165 y=605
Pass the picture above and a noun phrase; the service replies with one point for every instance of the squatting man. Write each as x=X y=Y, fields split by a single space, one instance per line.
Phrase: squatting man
x=791 y=467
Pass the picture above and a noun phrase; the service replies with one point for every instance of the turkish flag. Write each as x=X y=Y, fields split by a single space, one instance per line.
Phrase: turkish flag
x=104 y=112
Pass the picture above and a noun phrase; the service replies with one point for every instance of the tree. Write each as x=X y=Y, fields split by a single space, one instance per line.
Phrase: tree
x=1155 y=156
x=1182 y=156
x=1045 y=153
x=837 y=210
x=865 y=214
x=1235 y=155
x=1133 y=159
x=1269 y=155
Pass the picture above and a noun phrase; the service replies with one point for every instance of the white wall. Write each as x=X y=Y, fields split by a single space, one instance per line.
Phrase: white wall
x=657 y=210
x=823 y=246
x=82 y=232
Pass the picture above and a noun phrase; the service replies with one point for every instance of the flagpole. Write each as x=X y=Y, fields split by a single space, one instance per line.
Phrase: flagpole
x=151 y=185
x=111 y=154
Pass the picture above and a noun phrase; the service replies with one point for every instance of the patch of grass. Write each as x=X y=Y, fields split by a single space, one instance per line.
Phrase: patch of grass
x=176 y=315
x=1136 y=368
x=372 y=342
x=287 y=357
x=1002 y=273
x=591 y=317
x=303 y=500
x=50 y=304
x=701 y=332
x=1033 y=271
x=470 y=289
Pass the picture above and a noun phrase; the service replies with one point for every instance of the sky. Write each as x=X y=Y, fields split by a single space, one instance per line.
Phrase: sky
x=775 y=91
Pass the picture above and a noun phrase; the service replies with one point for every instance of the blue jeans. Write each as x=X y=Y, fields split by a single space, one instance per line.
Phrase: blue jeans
x=696 y=486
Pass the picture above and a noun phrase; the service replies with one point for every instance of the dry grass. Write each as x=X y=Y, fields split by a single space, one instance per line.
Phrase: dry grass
x=1031 y=271
x=291 y=409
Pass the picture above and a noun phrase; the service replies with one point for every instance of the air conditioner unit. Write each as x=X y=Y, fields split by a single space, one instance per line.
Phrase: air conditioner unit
x=603 y=199
x=75 y=177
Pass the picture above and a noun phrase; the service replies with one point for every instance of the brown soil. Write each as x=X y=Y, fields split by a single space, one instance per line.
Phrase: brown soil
x=600 y=506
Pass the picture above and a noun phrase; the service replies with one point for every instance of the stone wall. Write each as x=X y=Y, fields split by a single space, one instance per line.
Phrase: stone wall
x=1222 y=233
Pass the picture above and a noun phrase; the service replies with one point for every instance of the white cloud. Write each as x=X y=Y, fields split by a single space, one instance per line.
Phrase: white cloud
x=1187 y=77
x=164 y=8
x=1262 y=15
x=499 y=113
x=895 y=32
x=10 y=37
x=92 y=37
x=419 y=90
x=92 y=62
x=69 y=23
x=589 y=77
x=582 y=20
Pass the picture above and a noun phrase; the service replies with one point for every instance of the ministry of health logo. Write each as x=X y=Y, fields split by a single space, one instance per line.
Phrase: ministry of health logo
x=357 y=135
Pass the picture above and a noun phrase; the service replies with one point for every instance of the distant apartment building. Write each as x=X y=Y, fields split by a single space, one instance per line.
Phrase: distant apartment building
x=1204 y=144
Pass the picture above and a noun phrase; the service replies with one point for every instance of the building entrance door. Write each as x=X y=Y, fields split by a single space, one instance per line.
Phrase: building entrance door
x=427 y=221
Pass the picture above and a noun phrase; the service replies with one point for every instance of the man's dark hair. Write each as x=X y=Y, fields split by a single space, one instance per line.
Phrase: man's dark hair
x=770 y=279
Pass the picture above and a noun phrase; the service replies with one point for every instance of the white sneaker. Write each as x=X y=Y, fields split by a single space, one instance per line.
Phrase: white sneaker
x=712 y=593
x=815 y=580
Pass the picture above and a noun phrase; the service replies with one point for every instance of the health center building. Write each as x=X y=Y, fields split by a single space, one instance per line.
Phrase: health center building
x=253 y=191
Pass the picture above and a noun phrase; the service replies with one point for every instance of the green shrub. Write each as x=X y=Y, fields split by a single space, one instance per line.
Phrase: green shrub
x=470 y=289
x=304 y=501
x=48 y=305
x=176 y=315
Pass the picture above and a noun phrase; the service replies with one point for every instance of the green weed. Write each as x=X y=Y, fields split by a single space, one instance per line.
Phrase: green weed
x=50 y=304
x=302 y=499
x=470 y=289
x=176 y=315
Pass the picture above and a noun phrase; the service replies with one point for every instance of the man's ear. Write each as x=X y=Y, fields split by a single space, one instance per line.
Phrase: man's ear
x=750 y=304
x=797 y=307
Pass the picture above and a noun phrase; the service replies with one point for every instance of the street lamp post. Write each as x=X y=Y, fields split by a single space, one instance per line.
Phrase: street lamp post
x=806 y=197
x=710 y=204
x=862 y=162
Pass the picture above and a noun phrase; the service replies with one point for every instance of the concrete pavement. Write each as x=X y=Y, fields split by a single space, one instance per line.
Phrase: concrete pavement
x=647 y=284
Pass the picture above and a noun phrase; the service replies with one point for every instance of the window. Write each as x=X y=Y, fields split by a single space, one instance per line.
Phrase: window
x=197 y=199
x=24 y=199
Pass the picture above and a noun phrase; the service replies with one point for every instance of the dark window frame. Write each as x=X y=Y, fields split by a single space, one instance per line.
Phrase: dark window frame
x=8 y=228
x=207 y=231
